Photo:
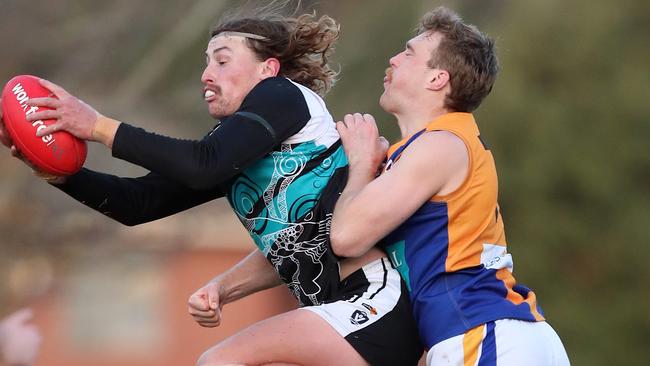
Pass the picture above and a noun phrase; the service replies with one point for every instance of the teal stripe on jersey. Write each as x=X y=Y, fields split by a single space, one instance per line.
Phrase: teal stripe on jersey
x=396 y=254
x=273 y=194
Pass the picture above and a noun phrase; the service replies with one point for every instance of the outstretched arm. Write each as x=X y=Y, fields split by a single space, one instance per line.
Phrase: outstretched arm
x=130 y=201
x=133 y=201
x=272 y=112
x=252 y=274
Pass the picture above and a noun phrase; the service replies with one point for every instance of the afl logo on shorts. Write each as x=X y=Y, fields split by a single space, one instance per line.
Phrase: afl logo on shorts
x=358 y=317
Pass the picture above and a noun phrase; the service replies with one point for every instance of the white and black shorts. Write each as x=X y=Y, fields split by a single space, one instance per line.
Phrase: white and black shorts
x=372 y=311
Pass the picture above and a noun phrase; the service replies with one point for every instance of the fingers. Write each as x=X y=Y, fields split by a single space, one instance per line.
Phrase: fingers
x=369 y=118
x=58 y=91
x=204 y=307
x=15 y=153
x=4 y=135
x=383 y=143
x=201 y=313
x=18 y=155
x=44 y=115
x=5 y=139
x=206 y=319
x=50 y=129
x=358 y=119
x=44 y=102
x=199 y=301
x=71 y=114
x=213 y=297
x=209 y=324
x=355 y=121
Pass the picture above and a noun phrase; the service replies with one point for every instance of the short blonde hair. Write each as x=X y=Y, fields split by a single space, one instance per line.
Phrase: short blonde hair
x=467 y=54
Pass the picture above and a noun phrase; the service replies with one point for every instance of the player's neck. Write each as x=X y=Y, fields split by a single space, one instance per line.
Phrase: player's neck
x=410 y=123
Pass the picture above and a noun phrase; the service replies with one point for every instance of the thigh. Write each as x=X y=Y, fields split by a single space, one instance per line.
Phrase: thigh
x=375 y=316
x=534 y=343
x=297 y=337
x=503 y=342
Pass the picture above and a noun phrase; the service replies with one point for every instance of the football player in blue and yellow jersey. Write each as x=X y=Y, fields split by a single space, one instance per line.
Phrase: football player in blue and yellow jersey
x=434 y=207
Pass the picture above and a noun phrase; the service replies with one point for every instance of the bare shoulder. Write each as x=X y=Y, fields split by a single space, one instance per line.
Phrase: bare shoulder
x=437 y=147
x=434 y=162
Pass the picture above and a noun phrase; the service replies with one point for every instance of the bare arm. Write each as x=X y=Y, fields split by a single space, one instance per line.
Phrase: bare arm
x=252 y=274
x=368 y=208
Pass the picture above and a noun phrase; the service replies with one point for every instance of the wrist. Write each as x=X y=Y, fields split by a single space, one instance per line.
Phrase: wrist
x=49 y=178
x=221 y=282
x=362 y=172
x=104 y=130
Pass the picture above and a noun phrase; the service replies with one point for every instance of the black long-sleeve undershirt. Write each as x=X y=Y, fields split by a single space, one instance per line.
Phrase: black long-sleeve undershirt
x=133 y=201
x=187 y=173
x=272 y=112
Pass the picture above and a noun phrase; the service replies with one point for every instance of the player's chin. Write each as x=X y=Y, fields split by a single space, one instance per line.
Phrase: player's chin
x=384 y=102
x=217 y=111
x=214 y=113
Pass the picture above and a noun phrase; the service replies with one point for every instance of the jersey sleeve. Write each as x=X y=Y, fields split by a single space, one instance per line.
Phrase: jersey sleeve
x=272 y=112
x=133 y=201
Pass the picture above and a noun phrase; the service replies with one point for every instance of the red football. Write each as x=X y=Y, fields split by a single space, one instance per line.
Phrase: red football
x=59 y=153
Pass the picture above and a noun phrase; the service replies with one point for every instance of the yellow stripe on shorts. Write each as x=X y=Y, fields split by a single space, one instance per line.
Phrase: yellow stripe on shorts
x=471 y=344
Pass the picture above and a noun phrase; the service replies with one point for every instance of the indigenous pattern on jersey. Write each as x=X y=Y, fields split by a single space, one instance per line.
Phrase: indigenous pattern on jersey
x=452 y=251
x=282 y=201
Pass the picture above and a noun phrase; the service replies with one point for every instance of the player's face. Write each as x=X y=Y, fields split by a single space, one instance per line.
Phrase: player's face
x=408 y=75
x=231 y=72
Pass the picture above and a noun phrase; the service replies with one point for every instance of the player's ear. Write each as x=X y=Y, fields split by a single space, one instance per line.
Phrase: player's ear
x=438 y=79
x=270 y=67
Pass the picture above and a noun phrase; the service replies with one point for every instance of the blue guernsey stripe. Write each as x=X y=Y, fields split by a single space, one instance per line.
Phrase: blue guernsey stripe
x=489 y=347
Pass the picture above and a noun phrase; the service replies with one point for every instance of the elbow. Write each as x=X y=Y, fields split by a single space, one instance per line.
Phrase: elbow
x=128 y=221
x=199 y=184
x=346 y=245
x=203 y=179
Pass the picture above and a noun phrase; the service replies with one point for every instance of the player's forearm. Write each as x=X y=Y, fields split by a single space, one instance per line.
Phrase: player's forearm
x=132 y=201
x=252 y=274
x=349 y=233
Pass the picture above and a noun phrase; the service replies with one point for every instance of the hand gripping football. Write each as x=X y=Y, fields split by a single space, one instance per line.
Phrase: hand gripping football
x=59 y=153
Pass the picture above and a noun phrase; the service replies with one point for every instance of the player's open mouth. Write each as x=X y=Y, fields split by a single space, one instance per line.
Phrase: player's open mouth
x=389 y=75
x=209 y=95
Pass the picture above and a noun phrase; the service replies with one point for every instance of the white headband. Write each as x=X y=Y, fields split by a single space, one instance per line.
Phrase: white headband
x=241 y=34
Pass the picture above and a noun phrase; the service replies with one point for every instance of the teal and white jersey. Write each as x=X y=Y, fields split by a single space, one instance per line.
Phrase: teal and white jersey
x=285 y=200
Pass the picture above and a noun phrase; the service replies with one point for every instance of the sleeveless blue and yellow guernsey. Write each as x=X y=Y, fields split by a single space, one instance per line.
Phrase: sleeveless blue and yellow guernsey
x=452 y=251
